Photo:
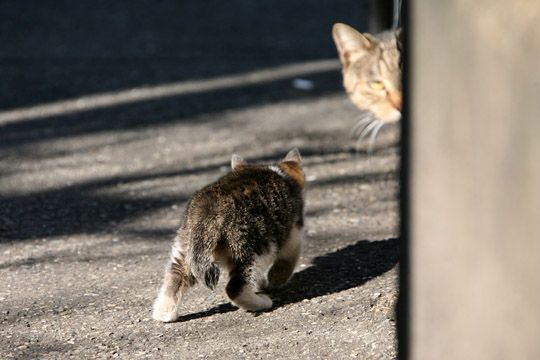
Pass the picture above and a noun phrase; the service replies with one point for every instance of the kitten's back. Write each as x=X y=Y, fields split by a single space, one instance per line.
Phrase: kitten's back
x=245 y=213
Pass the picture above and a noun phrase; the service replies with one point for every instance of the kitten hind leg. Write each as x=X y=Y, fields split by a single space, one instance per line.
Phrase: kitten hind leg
x=287 y=257
x=242 y=291
x=176 y=281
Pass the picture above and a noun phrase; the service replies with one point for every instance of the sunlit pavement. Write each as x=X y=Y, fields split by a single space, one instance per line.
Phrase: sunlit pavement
x=104 y=140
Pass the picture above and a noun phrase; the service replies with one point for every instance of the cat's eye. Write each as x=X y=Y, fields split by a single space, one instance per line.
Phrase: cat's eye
x=376 y=85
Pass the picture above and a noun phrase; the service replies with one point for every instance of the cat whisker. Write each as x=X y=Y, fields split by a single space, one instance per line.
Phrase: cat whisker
x=373 y=136
x=364 y=121
x=372 y=125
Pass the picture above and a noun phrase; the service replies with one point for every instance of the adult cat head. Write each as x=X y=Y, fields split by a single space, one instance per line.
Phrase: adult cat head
x=371 y=70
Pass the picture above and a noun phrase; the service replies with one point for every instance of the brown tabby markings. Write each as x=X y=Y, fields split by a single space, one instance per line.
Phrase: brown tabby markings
x=371 y=77
x=293 y=170
x=371 y=70
x=249 y=223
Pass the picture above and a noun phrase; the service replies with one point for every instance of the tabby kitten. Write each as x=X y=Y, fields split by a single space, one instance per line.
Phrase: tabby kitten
x=249 y=223
x=371 y=76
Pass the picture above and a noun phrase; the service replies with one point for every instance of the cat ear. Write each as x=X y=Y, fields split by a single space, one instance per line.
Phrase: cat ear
x=294 y=156
x=350 y=43
x=399 y=39
x=236 y=161
x=399 y=34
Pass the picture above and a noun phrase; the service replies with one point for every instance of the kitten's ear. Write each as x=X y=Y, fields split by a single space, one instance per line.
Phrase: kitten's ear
x=350 y=43
x=236 y=161
x=294 y=156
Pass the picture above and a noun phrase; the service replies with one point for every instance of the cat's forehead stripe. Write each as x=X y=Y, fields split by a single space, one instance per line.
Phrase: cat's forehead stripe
x=383 y=60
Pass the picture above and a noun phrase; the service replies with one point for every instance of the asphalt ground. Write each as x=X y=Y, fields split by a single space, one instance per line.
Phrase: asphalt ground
x=114 y=113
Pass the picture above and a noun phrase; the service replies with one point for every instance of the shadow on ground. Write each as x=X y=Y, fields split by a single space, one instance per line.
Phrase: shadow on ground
x=62 y=51
x=337 y=271
x=83 y=208
x=71 y=210
x=57 y=50
x=340 y=270
x=161 y=111
x=80 y=209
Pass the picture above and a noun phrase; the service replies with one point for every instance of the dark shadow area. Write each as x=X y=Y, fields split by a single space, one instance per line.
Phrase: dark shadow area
x=343 y=269
x=141 y=115
x=220 y=309
x=55 y=50
x=356 y=179
x=71 y=210
x=77 y=208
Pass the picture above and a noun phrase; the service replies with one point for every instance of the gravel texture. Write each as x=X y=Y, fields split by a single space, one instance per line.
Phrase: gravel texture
x=90 y=197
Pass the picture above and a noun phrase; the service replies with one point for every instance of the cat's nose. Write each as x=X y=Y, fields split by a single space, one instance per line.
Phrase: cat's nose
x=395 y=99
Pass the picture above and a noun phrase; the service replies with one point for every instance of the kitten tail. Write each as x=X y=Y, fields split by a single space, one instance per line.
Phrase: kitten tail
x=202 y=266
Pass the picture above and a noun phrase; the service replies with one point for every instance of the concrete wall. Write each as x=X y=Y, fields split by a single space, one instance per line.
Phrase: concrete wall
x=475 y=179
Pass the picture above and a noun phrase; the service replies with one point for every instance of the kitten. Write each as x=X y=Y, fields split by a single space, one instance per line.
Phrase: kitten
x=249 y=223
x=371 y=76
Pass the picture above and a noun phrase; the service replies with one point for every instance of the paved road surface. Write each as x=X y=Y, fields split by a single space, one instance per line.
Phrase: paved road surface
x=112 y=114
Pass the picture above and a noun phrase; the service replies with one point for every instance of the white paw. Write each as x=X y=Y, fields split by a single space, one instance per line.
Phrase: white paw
x=165 y=309
x=265 y=302
x=253 y=302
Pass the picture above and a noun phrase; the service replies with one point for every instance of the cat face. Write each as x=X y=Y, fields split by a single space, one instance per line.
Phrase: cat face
x=371 y=70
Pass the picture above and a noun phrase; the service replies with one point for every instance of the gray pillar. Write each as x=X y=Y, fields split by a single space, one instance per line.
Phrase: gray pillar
x=475 y=180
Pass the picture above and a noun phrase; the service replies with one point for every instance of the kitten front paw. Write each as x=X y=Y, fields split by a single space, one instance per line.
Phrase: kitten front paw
x=165 y=309
x=262 y=303
x=253 y=302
